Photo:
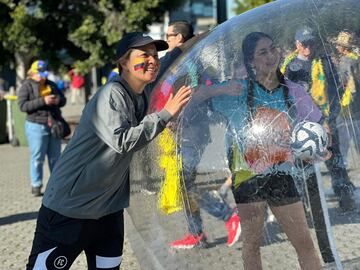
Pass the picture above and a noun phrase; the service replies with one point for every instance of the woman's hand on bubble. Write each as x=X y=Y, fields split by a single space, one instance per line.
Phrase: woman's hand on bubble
x=177 y=102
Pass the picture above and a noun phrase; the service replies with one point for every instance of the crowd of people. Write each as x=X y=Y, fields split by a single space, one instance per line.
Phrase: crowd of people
x=89 y=186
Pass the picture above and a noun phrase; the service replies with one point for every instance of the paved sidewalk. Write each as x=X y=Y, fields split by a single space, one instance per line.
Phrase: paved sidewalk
x=18 y=208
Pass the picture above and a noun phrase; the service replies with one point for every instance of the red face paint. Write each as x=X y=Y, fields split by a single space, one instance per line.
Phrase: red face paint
x=138 y=63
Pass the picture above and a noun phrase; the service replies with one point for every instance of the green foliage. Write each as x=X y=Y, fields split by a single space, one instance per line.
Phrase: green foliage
x=5 y=19
x=20 y=35
x=82 y=32
x=245 y=5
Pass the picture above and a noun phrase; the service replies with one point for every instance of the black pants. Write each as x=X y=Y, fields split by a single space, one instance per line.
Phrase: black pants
x=276 y=189
x=339 y=177
x=59 y=240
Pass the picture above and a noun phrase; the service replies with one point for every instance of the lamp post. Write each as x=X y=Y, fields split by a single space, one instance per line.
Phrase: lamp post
x=221 y=11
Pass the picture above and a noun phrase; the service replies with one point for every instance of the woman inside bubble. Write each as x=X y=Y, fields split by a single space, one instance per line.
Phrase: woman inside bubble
x=261 y=110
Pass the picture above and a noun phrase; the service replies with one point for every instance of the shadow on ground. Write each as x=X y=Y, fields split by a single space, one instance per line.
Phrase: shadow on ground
x=18 y=218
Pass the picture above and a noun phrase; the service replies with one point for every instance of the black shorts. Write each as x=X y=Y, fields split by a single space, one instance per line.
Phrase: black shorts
x=59 y=240
x=276 y=189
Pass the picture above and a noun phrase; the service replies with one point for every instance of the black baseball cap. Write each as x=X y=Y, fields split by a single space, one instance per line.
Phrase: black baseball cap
x=304 y=34
x=138 y=39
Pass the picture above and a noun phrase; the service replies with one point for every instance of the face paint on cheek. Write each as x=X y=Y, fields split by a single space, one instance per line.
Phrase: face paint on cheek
x=138 y=63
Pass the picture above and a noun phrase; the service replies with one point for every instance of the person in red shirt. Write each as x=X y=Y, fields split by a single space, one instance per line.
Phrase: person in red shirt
x=76 y=86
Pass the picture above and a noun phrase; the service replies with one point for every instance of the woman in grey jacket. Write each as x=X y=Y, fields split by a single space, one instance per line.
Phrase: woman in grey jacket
x=89 y=188
x=38 y=98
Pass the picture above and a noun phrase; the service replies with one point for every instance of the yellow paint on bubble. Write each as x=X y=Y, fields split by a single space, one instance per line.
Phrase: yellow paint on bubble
x=170 y=196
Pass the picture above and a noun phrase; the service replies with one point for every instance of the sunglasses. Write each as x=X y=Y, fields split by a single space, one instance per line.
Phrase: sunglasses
x=171 y=35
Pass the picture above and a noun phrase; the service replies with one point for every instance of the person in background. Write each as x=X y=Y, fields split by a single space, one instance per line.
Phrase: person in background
x=60 y=84
x=67 y=81
x=114 y=72
x=317 y=73
x=179 y=35
x=348 y=121
x=2 y=89
x=39 y=97
x=89 y=188
x=76 y=85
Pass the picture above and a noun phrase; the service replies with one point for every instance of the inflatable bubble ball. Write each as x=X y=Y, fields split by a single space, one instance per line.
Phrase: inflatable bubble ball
x=254 y=77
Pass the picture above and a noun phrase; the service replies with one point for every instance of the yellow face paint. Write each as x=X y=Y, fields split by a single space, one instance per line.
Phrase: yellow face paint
x=138 y=63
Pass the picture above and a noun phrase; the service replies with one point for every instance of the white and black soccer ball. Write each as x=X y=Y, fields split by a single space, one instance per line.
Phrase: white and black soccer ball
x=309 y=141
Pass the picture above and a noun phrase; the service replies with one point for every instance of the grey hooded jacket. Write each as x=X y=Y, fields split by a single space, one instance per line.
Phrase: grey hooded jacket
x=91 y=178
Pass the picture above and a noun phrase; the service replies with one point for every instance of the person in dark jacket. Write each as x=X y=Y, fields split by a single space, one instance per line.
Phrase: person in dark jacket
x=39 y=98
x=89 y=188
x=316 y=72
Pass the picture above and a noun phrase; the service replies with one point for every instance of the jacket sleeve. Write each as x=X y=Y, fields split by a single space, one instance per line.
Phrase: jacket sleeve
x=334 y=89
x=56 y=91
x=26 y=104
x=306 y=109
x=62 y=102
x=288 y=72
x=332 y=77
x=112 y=120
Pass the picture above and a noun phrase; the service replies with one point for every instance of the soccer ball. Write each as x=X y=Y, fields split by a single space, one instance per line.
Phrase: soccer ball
x=309 y=141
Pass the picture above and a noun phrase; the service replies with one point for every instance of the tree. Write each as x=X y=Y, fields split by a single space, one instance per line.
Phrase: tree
x=245 y=5
x=6 y=56
x=84 y=31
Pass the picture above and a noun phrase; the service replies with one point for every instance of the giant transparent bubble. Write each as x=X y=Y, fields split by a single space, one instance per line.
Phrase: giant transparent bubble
x=239 y=124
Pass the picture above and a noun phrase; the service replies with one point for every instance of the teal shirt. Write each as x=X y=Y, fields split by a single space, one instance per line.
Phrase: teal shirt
x=235 y=108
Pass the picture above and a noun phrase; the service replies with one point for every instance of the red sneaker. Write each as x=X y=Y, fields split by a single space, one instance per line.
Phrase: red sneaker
x=190 y=241
x=234 y=229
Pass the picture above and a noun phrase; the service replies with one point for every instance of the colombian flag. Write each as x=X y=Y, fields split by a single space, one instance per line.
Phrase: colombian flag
x=138 y=63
